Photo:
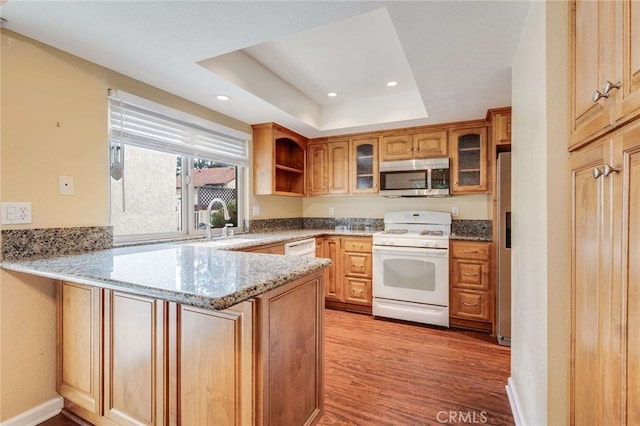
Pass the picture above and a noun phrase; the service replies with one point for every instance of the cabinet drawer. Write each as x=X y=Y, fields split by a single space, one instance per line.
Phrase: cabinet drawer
x=470 y=250
x=361 y=245
x=469 y=304
x=357 y=290
x=357 y=264
x=473 y=274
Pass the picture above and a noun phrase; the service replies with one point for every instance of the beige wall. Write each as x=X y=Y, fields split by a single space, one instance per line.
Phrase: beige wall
x=470 y=206
x=540 y=327
x=54 y=122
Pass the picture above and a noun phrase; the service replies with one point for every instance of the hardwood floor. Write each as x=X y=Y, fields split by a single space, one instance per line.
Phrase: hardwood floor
x=382 y=372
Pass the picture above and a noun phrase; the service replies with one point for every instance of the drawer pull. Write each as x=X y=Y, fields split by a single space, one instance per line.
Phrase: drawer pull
x=358 y=245
x=466 y=274
x=470 y=251
x=469 y=304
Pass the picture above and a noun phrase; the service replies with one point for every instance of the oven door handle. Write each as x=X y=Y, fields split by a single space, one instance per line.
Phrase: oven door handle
x=412 y=251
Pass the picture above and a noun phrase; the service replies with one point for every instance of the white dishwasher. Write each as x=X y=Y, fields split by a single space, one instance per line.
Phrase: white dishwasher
x=305 y=248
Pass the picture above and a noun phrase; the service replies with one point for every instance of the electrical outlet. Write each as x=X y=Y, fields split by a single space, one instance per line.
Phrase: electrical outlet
x=66 y=185
x=16 y=213
x=455 y=211
x=256 y=210
x=332 y=211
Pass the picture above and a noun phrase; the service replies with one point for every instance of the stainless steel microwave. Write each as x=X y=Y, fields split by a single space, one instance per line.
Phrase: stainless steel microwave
x=415 y=178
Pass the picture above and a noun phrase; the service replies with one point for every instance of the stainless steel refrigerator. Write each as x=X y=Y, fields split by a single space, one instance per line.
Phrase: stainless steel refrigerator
x=503 y=252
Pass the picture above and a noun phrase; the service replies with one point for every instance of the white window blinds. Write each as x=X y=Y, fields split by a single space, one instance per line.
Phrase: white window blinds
x=161 y=128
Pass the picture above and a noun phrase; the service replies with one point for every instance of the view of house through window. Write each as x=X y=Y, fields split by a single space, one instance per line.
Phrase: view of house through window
x=145 y=198
x=210 y=181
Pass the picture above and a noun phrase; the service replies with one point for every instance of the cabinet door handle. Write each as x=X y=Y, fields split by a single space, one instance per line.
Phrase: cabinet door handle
x=608 y=86
x=469 y=304
x=607 y=170
x=596 y=172
x=597 y=95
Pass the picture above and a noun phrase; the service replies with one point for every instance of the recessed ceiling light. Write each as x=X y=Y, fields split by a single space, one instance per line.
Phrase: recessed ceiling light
x=332 y=94
x=222 y=98
x=392 y=83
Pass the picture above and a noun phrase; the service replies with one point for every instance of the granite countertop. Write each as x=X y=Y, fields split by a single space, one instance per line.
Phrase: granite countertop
x=462 y=237
x=187 y=273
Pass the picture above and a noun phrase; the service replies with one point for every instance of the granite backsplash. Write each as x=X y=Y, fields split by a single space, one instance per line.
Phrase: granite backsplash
x=32 y=243
x=481 y=230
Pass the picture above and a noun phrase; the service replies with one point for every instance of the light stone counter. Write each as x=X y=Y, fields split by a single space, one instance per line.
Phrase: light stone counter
x=183 y=273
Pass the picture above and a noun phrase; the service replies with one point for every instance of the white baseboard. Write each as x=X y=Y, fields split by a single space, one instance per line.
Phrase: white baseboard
x=513 y=402
x=37 y=414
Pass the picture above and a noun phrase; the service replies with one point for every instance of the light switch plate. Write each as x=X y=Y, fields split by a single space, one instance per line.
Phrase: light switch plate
x=16 y=213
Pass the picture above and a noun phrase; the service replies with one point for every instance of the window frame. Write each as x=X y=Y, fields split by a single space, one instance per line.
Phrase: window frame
x=188 y=210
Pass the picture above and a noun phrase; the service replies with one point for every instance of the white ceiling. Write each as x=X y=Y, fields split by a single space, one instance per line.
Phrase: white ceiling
x=278 y=60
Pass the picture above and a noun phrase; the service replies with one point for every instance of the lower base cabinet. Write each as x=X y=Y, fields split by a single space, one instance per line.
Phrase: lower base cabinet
x=471 y=289
x=134 y=360
x=349 y=279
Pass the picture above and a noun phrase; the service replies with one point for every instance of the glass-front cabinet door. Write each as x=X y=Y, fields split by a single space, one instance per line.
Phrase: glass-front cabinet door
x=364 y=170
x=469 y=160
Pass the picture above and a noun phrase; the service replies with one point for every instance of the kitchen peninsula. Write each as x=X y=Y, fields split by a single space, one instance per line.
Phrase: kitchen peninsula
x=187 y=334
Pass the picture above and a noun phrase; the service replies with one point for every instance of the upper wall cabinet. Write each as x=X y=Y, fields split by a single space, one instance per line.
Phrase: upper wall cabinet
x=410 y=146
x=364 y=167
x=605 y=67
x=468 y=160
x=278 y=160
x=328 y=168
x=500 y=126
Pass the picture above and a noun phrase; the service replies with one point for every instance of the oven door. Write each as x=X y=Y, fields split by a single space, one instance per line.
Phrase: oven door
x=418 y=275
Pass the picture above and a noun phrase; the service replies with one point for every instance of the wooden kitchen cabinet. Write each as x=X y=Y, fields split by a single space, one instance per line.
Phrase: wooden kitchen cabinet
x=364 y=166
x=129 y=359
x=604 y=67
x=328 y=168
x=426 y=144
x=500 y=127
x=278 y=160
x=134 y=359
x=79 y=345
x=356 y=264
x=469 y=160
x=99 y=373
x=210 y=355
x=605 y=279
x=470 y=286
x=349 y=286
x=331 y=249
x=289 y=358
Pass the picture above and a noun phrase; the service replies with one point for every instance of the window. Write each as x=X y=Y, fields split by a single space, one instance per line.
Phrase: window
x=167 y=167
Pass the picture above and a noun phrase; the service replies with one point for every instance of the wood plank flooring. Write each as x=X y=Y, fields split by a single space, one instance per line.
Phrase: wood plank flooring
x=382 y=372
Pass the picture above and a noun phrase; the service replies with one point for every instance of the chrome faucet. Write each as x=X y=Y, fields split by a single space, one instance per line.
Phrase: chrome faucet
x=226 y=216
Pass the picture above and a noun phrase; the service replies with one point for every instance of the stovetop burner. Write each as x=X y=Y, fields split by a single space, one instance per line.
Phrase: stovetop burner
x=395 y=231
x=432 y=233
